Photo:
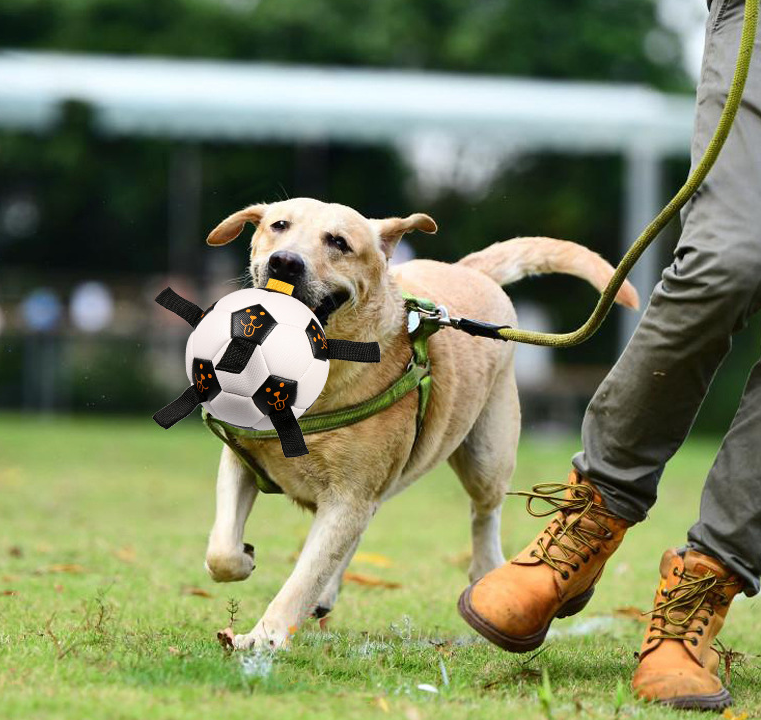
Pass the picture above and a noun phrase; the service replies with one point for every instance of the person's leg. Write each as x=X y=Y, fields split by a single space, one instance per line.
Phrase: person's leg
x=644 y=409
x=729 y=528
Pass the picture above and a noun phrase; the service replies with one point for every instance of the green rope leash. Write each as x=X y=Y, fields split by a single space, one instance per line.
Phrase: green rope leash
x=693 y=182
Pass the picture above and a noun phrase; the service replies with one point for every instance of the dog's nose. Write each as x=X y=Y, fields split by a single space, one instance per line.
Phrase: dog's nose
x=285 y=265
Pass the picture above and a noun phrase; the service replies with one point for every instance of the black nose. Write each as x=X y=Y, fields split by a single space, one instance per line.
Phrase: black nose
x=285 y=265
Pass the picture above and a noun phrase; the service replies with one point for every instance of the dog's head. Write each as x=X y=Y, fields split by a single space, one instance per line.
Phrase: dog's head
x=322 y=249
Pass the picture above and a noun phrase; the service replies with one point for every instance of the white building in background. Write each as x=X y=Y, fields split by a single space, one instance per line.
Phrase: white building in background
x=469 y=123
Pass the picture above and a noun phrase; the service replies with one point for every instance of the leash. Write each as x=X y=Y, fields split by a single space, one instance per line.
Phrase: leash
x=690 y=187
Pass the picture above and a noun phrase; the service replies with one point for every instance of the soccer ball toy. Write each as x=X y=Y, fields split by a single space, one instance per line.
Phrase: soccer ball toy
x=257 y=359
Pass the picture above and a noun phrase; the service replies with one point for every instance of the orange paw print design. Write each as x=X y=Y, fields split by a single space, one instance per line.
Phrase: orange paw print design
x=251 y=327
x=199 y=382
x=279 y=402
x=319 y=338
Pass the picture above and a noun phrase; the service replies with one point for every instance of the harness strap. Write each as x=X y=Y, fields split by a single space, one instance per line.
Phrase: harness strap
x=188 y=311
x=417 y=375
x=367 y=352
x=179 y=408
x=289 y=432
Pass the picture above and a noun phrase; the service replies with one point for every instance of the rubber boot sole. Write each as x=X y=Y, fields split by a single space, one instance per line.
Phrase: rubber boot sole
x=509 y=642
x=717 y=701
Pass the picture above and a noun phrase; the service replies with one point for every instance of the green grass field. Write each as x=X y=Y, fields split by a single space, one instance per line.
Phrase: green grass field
x=106 y=610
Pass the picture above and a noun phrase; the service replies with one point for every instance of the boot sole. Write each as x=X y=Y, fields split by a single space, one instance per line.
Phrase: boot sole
x=512 y=643
x=717 y=701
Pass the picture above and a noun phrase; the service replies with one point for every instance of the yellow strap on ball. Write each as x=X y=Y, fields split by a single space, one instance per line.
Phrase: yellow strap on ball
x=279 y=286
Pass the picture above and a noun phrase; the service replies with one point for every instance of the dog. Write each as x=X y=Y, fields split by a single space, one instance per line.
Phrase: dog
x=472 y=419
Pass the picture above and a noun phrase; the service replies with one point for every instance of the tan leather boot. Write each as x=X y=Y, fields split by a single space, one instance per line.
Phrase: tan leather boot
x=677 y=665
x=513 y=605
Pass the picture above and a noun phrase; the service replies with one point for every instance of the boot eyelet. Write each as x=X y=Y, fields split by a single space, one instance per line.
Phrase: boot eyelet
x=649 y=640
x=532 y=554
x=576 y=566
x=676 y=572
x=585 y=559
x=565 y=574
x=694 y=641
x=608 y=535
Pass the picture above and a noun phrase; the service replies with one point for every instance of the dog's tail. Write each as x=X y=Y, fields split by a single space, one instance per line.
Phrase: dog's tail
x=509 y=261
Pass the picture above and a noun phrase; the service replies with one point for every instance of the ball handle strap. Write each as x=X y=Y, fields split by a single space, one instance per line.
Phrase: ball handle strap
x=179 y=408
x=289 y=432
x=188 y=311
x=367 y=352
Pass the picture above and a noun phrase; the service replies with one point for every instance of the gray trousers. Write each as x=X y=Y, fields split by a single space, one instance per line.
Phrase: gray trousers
x=644 y=409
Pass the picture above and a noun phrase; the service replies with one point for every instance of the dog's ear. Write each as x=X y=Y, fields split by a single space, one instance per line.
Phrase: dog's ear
x=390 y=230
x=232 y=226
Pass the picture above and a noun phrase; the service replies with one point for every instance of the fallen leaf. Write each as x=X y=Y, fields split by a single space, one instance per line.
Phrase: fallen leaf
x=173 y=650
x=71 y=568
x=196 y=591
x=10 y=578
x=125 y=554
x=729 y=714
x=370 y=581
x=44 y=547
x=8 y=592
x=629 y=611
x=323 y=623
x=376 y=559
x=58 y=588
x=15 y=551
x=382 y=703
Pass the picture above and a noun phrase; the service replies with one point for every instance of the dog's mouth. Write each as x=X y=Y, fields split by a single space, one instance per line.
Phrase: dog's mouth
x=329 y=304
x=323 y=304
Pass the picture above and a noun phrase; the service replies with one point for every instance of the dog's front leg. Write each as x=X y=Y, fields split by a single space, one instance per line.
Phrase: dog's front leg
x=337 y=527
x=228 y=558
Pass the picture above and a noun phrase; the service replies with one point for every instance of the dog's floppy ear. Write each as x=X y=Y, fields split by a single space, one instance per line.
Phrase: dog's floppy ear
x=232 y=226
x=390 y=230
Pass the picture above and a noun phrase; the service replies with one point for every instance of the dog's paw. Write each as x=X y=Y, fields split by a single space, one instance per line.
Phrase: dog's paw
x=269 y=635
x=230 y=566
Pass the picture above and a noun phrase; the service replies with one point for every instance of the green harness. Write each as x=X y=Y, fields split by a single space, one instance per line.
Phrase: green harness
x=422 y=322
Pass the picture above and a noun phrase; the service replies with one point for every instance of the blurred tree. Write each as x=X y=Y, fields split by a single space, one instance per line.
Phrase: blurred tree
x=103 y=202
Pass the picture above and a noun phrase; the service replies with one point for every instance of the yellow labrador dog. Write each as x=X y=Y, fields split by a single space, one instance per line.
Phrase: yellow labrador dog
x=472 y=420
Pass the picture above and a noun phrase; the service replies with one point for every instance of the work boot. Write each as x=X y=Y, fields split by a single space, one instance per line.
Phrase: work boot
x=677 y=665
x=555 y=576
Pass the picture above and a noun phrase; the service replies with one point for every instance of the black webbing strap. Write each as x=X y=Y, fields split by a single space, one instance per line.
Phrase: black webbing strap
x=367 y=352
x=289 y=432
x=479 y=328
x=179 y=408
x=188 y=311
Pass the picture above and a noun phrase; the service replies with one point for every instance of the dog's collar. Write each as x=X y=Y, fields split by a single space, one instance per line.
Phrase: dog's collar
x=420 y=325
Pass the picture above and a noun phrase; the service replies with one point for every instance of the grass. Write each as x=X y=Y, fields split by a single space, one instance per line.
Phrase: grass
x=106 y=611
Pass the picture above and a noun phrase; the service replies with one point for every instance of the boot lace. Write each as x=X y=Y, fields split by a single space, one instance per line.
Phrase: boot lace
x=687 y=607
x=575 y=541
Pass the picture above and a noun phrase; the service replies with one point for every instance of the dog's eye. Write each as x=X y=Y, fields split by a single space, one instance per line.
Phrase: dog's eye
x=280 y=225
x=337 y=241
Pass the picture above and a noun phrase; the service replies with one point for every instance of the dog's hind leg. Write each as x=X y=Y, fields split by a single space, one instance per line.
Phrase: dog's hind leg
x=484 y=462
x=228 y=558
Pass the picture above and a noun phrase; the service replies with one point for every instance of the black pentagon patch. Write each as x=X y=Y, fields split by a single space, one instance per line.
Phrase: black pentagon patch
x=237 y=355
x=317 y=340
x=252 y=324
x=205 y=379
x=275 y=393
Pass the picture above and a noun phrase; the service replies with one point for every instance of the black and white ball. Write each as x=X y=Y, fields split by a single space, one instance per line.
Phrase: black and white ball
x=256 y=351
